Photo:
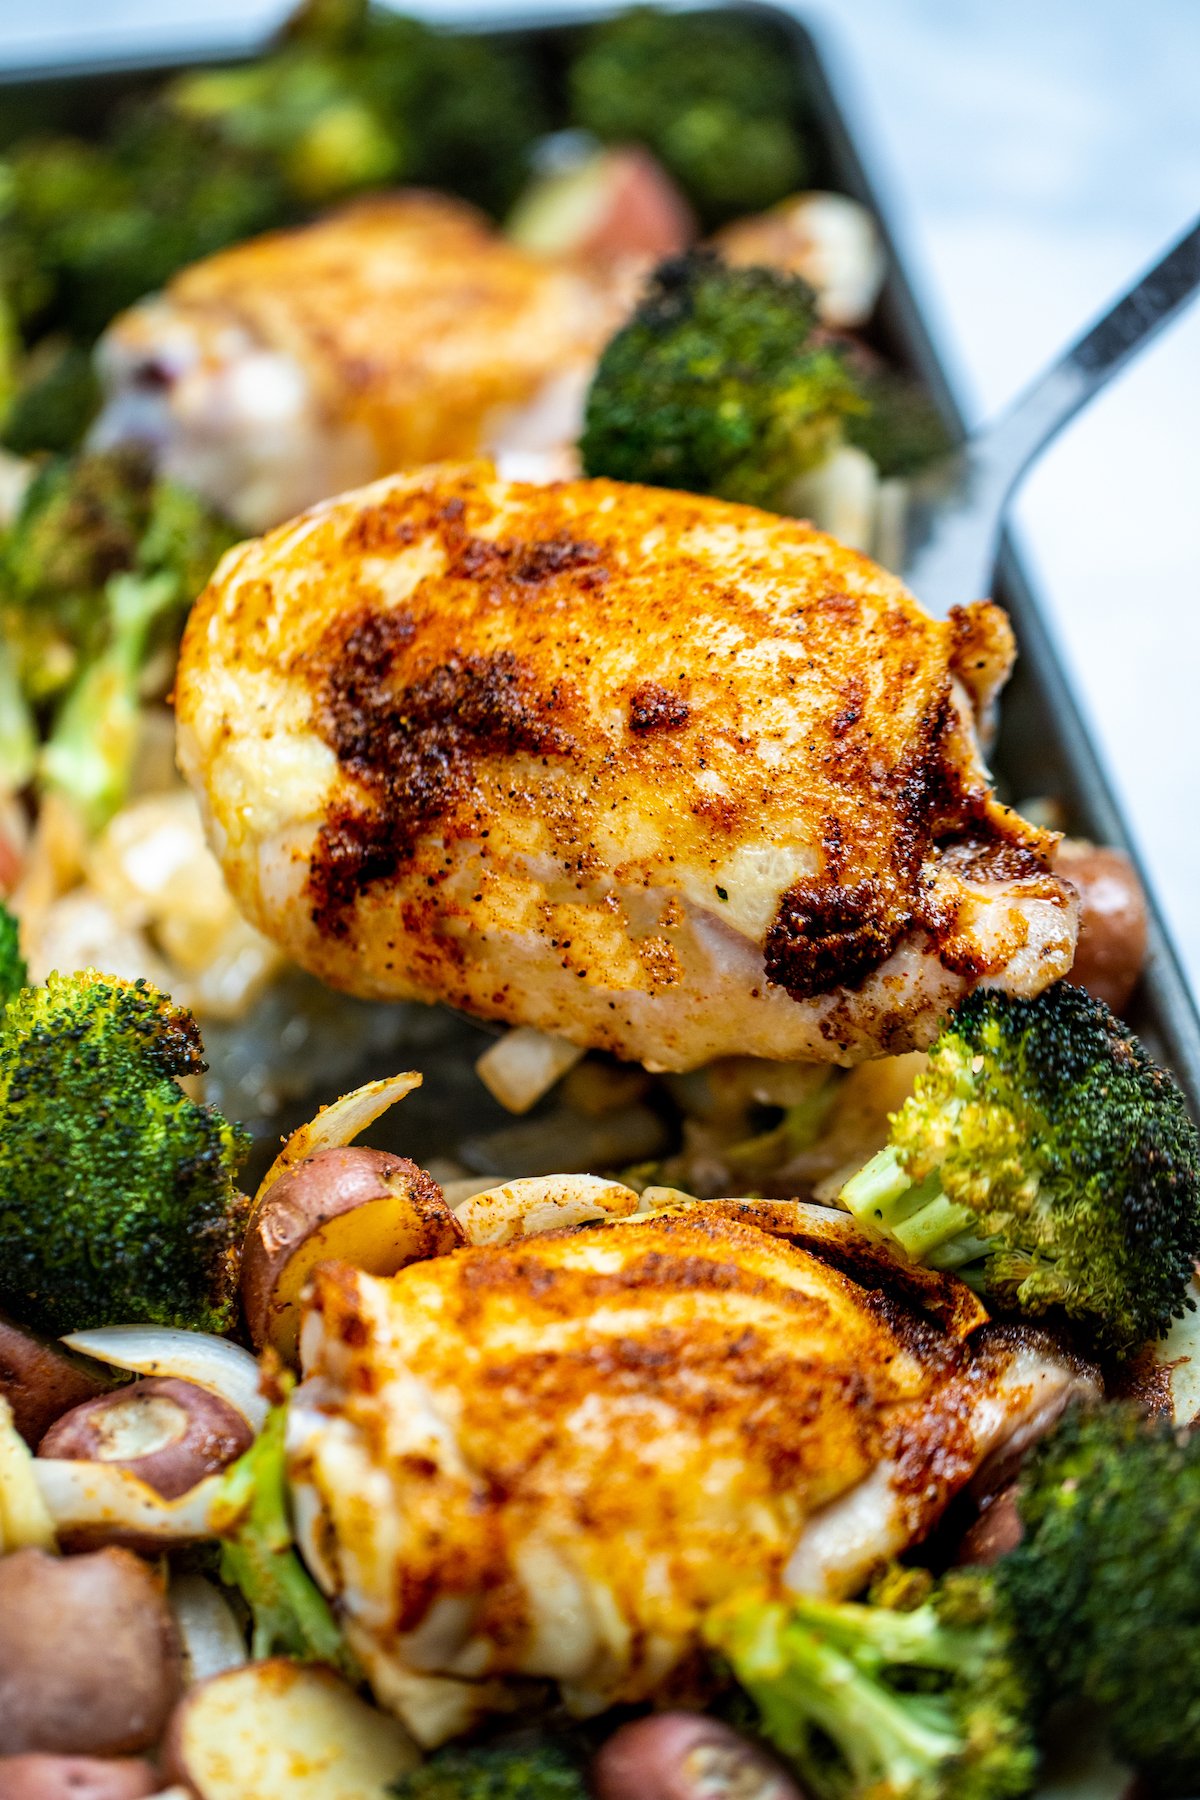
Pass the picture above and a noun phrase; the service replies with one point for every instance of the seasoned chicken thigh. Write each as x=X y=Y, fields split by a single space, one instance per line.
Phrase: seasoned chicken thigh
x=542 y=1462
x=669 y=777
x=397 y=331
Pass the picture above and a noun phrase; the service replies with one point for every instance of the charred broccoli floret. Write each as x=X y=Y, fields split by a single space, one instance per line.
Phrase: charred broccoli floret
x=249 y=1513
x=712 y=97
x=715 y=386
x=1046 y=1160
x=539 y=1770
x=119 y=1201
x=1105 y=1585
x=13 y=973
x=96 y=572
x=918 y=1693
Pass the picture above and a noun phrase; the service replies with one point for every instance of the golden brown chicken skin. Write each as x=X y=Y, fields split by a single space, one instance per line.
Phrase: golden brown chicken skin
x=394 y=332
x=671 y=777
x=543 y=1462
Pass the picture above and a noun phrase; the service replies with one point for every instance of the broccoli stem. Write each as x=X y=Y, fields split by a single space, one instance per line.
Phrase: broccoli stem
x=814 y=1671
x=89 y=755
x=915 y=1215
x=250 y=1514
x=18 y=735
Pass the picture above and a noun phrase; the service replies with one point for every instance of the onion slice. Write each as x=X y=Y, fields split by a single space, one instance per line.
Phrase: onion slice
x=525 y=1064
x=210 y=1362
x=212 y=1639
x=339 y=1123
x=24 y=1517
x=90 y=1496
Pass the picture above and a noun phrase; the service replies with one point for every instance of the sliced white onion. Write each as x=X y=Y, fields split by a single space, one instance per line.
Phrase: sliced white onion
x=24 y=1518
x=96 y=1496
x=537 y=1203
x=211 y=1362
x=212 y=1639
x=339 y=1123
x=1179 y=1353
x=525 y=1064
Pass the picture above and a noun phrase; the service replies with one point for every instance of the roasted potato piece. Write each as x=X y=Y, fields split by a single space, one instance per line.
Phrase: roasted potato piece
x=1112 y=919
x=169 y=1433
x=40 y=1381
x=279 y=1727
x=685 y=1756
x=89 y=1657
x=38 y=1777
x=374 y=1211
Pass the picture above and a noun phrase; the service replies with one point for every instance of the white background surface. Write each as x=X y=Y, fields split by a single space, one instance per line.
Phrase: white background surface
x=1040 y=153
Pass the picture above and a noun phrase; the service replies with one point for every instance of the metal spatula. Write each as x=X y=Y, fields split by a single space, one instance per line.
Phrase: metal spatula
x=953 y=524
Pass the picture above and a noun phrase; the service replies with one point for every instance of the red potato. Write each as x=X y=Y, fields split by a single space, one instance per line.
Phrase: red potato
x=1112 y=919
x=89 y=1655
x=37 y=1777
x=169 y=1433
x=995 y=1532
x=40 y=1381
x=280 y=1728
x=685 y=1756
x=374 y=1211
x=614 y=206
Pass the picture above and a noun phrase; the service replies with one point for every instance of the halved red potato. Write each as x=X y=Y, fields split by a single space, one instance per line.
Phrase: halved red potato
x=89 y=1656
x=278 y=1727
x=40 y=1381
x=169 y=1433
x=613 y=205
x=686 y=1756
x=375 y=1211
x=39 y=1777
x=1113 y=919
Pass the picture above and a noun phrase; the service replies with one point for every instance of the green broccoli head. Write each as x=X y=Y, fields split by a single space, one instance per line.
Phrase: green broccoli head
x=1049 y=1162
x=249 y=1514
x=542 y=1769
x=918 y=1693
x=119 y=1202
x=1104 y=1585
x=711 y=96
x=715 y=386
x=96 y=573
x=13 y=973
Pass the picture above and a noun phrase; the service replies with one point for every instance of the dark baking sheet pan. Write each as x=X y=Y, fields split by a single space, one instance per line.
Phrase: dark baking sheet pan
x=1044 y=747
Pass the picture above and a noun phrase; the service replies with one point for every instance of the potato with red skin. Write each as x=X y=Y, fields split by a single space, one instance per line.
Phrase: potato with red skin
x=995 y=1531
x=618 y=205
x=89 y=1654
x=367 y=1208
x=41 y=1381
x=38 y=1777
x=686 y=1756
x=169 y=1433
x=1112 y=920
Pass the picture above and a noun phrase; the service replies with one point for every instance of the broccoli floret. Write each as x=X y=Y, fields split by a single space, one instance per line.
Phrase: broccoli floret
x=917 y=1693
x=1104 y=1585
x=13 y=973
x=249 y=1513
x=715 y=386
x=96 y=572
x=900 y=428
x=54 y=400
x=119 y=1201
x=539 y=1770
x=1046 y=1160
x=712 y=97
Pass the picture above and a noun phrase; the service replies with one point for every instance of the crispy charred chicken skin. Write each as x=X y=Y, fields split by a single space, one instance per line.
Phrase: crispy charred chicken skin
x=670 y=777
x=541 y=1462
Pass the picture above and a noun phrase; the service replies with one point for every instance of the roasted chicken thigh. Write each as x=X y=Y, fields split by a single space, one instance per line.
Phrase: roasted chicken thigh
x=399 y=330
x=669 y=777
x=543 y=1461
